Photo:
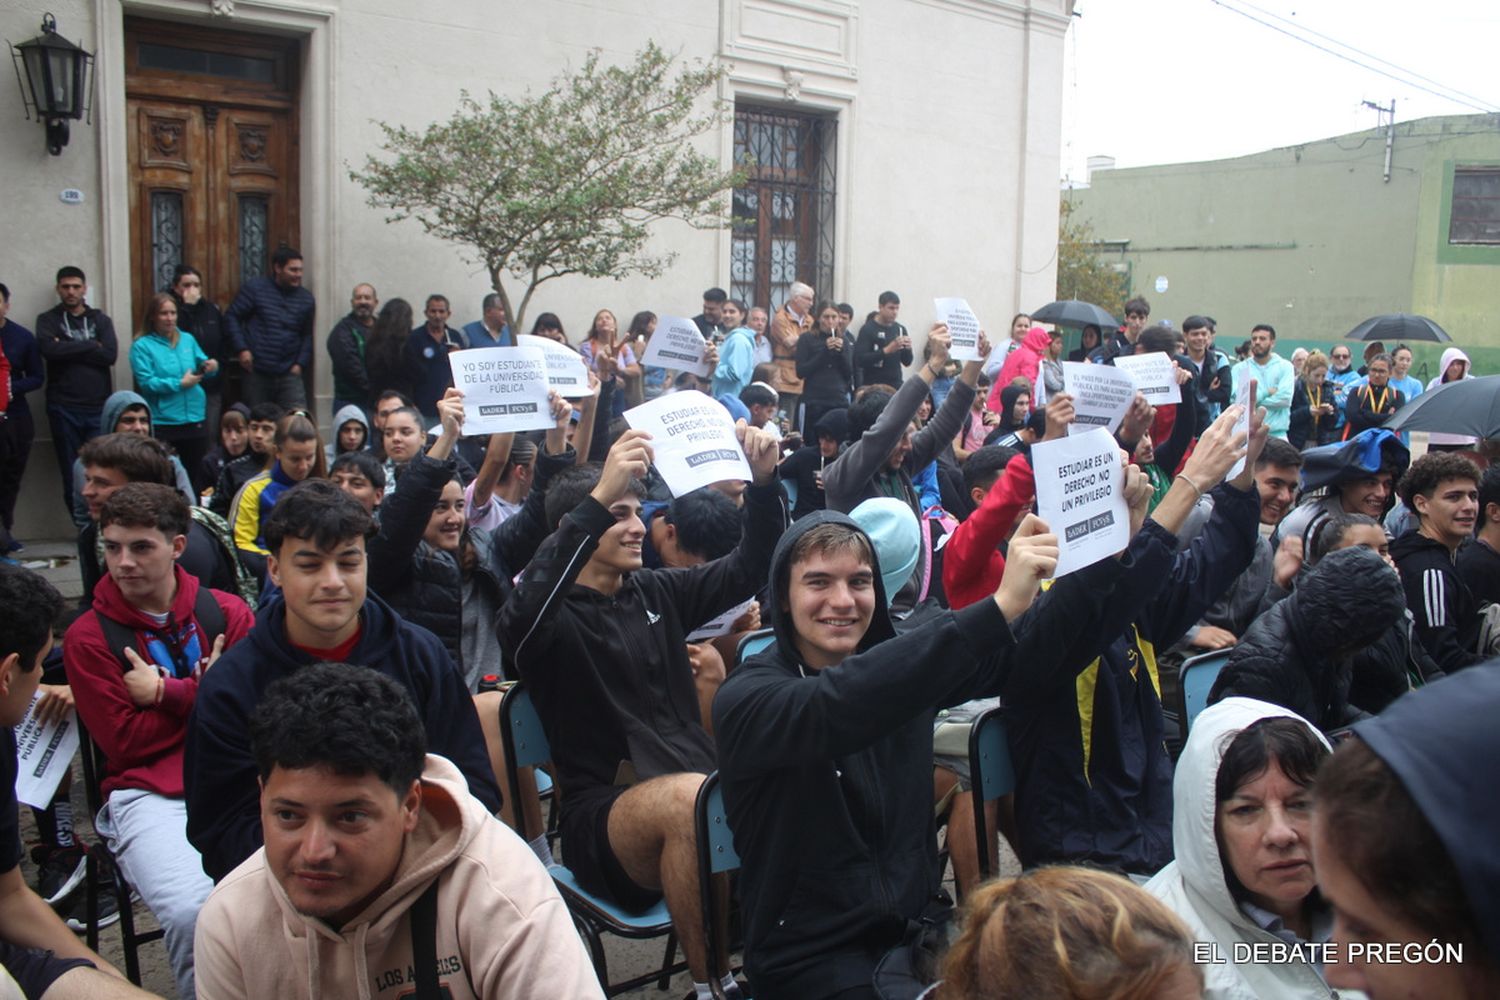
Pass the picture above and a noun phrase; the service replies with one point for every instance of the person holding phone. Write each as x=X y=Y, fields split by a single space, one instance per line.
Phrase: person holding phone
x=169 y=368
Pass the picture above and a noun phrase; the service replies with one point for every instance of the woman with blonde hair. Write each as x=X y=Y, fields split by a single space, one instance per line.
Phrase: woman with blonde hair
x=1068 y=934
x=169 y=368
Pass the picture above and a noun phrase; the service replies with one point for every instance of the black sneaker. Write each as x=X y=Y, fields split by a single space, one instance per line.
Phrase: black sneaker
x=78 y=914
x=60 y=871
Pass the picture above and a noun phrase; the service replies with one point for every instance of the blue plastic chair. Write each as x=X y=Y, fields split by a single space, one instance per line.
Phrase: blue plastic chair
x=716 y=855
x=526 y=745
x=992 y=773
x=1196 y=680
x=755 y=642
x=790 y=486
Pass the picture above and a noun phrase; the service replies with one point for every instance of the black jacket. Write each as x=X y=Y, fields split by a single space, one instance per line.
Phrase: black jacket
x=827 y=776
x=346 y=352
x=219 y=770
x=1479 y=566
x=870 y=359
x=204 y=321
x=234 y=474
x=609 y=675
x=825 y=373
x=80 y=352
x=1395 y=664
x=424 y=585
x=805 y=468
x=1300 y=654
x=1446 y=613
x=275 y=324
x=1367 y=407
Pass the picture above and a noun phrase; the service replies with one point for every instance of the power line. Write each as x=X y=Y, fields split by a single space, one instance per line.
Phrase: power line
x=1475 y=104
x=1369 y=55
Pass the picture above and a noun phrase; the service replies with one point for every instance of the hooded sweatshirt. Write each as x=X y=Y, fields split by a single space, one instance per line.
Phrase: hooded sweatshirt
x=1451 y=355
x=114 y=408
x=1440 y=742
x=1193 y=885
x=1300 y=654
x=143 y=746
x=502 y=931
x=80 y=352
x=331 y=450
x=158 y=366
x=1025 y=361
x=827 y=774
x=219 y=769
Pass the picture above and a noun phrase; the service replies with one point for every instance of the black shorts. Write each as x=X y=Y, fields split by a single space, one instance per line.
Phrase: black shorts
x=35 y=971
x=586 y=851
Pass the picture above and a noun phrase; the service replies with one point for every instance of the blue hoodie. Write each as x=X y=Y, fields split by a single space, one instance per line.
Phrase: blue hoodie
x=736 y=362
x=159 y=367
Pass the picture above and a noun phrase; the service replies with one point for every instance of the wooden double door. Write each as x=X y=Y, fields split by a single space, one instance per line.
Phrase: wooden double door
x=213 y=153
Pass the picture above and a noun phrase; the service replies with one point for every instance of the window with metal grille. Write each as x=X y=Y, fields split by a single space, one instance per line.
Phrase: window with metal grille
x=783 y=214
x=1476 y=206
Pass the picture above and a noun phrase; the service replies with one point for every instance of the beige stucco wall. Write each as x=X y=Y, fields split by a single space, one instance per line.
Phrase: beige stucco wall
x=949 y=126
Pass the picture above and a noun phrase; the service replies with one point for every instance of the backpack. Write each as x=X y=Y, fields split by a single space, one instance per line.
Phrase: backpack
x=206 y=611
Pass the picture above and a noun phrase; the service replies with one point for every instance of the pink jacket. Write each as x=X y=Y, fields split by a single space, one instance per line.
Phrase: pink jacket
x=1026 y=361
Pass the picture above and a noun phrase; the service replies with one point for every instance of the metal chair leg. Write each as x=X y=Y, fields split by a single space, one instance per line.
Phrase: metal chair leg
x=665 y=982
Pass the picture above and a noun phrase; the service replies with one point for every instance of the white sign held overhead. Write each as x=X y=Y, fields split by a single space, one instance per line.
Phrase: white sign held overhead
x=43 y=755
x=505 y=389
x=1242 y=423
x=567 y=373
x=963 y=327
x=677 y=345
x=1080 y=493
x=721 y=625
x=693 y=439
x=1155 y=376
x=1101 y=395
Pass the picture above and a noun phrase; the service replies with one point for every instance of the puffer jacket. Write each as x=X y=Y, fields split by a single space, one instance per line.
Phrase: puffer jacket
x=1193 y=885
x=275 y=324
x=1300 y=654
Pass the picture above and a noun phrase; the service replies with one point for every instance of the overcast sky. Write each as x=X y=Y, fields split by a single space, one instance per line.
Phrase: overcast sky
x=1166 y=81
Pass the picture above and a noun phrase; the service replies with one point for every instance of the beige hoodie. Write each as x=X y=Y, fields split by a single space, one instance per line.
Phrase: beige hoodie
x=502 y=929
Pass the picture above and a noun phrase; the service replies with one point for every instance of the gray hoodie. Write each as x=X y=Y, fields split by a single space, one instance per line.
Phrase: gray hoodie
x=114 y=408
x=346 y=414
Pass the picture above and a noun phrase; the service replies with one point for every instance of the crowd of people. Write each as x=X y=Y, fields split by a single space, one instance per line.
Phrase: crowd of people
x=296 y=637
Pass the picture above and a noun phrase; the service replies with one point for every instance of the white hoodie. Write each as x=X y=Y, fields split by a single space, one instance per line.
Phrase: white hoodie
x=503 y=932
x=1193 y=885
x=1451 y=355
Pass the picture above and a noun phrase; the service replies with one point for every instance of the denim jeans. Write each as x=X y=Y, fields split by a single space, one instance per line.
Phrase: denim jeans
x=285 y=390
x=70 y=429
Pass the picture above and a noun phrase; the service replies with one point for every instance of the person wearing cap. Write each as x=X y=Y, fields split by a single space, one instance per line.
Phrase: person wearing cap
x=1357 y=476
x=1404 y=844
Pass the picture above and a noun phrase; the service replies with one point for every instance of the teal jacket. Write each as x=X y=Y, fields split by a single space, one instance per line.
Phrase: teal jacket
x=158 y=368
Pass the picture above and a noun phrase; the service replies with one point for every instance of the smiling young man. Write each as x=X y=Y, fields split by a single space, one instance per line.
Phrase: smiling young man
x=601 y=644
x=1442 y=489
x=316 y=536
x=134 y=664
x=375 y=851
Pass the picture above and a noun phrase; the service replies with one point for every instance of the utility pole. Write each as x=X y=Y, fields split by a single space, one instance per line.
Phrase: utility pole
x=1390 y=130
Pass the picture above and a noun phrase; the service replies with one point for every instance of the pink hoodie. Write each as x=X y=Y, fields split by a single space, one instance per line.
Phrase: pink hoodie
x=1025 y=360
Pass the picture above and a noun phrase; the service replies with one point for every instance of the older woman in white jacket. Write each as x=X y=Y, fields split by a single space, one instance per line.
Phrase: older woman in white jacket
x=1243 y=872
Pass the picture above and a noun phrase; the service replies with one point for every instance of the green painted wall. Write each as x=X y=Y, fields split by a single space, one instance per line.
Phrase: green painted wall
x=1310 y=238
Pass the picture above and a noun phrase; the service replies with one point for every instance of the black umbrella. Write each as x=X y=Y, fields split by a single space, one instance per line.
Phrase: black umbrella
x=1396 y=327
x=1074 y=312
x=1468 y=406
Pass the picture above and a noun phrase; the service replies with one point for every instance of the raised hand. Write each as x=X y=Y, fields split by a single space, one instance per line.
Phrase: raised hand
x=762 y=450
x=1059 y=415
x=1030 y=559
x=630 y=458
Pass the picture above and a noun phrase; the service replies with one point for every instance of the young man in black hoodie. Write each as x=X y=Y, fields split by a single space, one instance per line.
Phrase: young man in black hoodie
x=1442 y=489
x=78 y=343
x=316 y=535
x=601 y=645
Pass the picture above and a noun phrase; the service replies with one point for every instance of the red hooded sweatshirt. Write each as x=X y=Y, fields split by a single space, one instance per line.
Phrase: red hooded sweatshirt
x=972 y=563
x=1026 y=361
x=143 y=746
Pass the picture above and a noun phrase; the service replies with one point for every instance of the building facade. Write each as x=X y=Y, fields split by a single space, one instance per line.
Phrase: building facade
x=906 y=144
x=1315 y=238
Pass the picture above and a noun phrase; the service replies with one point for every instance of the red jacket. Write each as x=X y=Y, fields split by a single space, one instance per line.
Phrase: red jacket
x=972 y=563
x=1025 y=361
x=143 y=746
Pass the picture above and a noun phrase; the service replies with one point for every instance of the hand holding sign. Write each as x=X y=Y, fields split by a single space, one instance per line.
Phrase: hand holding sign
x=504 y=389
x=1220 y=448
x=695 y=441
x=1101 y=395
x=630 y=458
x=678 y=345
x=963 y=328
x=1079 y=490
x=1030 y=558
x=762 y=449
x=1155 y=376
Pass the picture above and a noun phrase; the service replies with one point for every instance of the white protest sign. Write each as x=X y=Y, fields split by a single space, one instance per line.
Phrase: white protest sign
x=693 y=438
x=505 y=389
x=1242 y=423
x=963 y=327
x=1155 y=377
x=1080 y=493
x=1101 y=395
x=716 y=627
x=566 y=371
x=43 y=755
x=678 y=345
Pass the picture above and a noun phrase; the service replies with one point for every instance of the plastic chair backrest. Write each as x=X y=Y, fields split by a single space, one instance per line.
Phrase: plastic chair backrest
x=755 y=642
x=529 y=745
x=719 y=840
x=790 y=486
x=1197 y=679
x=989 y=756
